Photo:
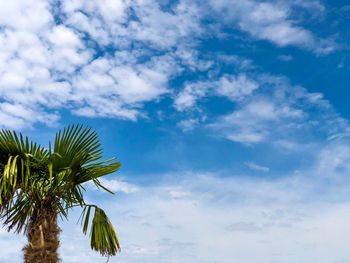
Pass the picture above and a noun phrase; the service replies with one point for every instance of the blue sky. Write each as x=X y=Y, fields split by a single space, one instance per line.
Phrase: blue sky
x=230 y=118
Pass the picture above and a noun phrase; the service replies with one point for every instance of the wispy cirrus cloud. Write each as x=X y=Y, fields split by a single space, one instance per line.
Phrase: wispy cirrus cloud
x=267 y=109
x=280 y=112
x=257 y=167
x=233 y=87
x=273 y=21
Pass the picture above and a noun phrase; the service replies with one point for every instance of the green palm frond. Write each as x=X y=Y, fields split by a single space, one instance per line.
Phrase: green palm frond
x=18 y=215
x=33 y=177
x=95 y=171
x=13 y=144
x=103 y=236
x=77 y=145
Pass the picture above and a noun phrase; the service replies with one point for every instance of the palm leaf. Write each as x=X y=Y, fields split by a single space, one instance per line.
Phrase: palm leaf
x=103 y=236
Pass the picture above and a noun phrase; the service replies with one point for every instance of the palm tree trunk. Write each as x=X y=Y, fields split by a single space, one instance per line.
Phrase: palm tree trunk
x=43 y=237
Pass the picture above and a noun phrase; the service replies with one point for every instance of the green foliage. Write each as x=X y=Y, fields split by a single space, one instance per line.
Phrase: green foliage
x=103 y=236
x=33 y=177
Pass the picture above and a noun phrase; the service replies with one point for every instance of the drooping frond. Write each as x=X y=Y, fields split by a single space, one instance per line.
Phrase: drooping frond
x=103 y=236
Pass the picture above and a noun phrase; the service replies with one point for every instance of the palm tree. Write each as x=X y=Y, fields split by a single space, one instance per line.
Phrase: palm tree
x=39 y=184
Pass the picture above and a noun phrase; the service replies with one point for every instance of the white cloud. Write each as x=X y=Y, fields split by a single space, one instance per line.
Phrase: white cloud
x=98 y=58
x=236 y=87
x=27 y=18
x=119 y=186
x=256 y=167
x=272 y=21
x=62 y=37
x=334 y=159
x=172 y=222
x=246 y=136
x=106 y=88
x=239 y=215
x=267 y=108
x=32 y=68
x=188 y=97
x=46 y=67
x=231 y=86
x=188 y=125
x=153 y=25
x=315 y=6
x=279 y=113
x=285 y=58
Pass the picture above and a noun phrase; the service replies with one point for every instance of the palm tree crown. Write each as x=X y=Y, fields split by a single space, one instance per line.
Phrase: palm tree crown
x=38 y=184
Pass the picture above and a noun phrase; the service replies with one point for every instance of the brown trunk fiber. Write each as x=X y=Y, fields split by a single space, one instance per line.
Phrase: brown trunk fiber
x=43 y=238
